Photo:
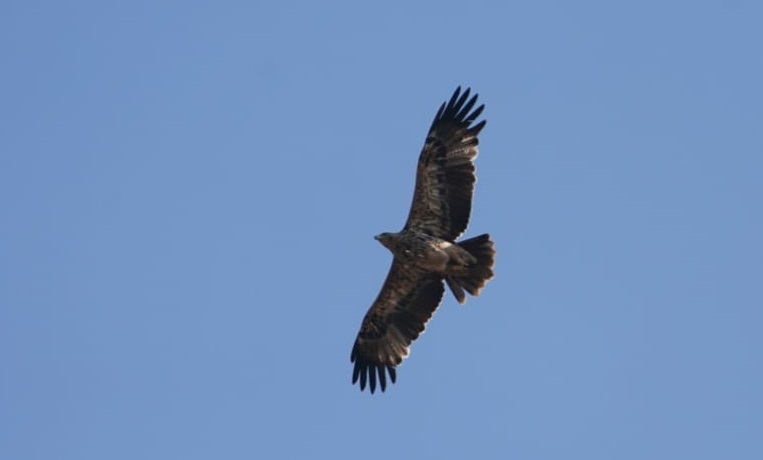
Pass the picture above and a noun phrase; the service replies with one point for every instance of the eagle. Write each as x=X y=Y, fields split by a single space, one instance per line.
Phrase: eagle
x=425 y=251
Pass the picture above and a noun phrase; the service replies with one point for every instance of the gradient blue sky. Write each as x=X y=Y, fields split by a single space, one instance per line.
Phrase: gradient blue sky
x=189 y=191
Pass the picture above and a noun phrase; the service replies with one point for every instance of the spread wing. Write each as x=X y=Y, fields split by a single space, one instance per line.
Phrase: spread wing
x=442 y=200
x=397 y=317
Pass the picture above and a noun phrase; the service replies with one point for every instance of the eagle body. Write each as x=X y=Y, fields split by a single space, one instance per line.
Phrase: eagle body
x=426 y=253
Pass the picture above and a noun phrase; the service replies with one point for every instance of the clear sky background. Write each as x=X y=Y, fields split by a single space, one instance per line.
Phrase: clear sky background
x=189 y=190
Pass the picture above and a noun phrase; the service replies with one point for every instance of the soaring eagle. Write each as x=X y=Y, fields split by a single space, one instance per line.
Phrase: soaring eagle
x=425 y=251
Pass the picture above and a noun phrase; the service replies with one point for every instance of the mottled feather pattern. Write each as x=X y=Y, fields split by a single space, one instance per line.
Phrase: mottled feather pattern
x=445 y=174
x=397 y=318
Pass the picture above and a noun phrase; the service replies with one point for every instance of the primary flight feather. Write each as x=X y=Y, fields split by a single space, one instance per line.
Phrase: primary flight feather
x=425 y=252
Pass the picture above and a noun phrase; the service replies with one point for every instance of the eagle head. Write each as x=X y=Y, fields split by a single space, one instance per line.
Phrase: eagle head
x=386 y=239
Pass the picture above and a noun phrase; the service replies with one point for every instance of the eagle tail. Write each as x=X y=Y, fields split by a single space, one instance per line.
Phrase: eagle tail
x=479 y=273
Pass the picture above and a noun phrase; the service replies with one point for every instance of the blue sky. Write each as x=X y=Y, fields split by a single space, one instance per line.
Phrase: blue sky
x=189 y=192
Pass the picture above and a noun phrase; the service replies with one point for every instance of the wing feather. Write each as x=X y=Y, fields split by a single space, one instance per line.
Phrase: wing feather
x=397 y=317
x=445 y=175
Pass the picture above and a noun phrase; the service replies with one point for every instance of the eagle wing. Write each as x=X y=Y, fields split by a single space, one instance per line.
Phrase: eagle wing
x=397 y=317
x=442 y=199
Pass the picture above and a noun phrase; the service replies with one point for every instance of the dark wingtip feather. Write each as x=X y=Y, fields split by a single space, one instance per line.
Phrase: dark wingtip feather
x=372 y=378
x=473 y=116
x=462 y=114
x=457 y=106
x=454 y=97
x=438 y=116
x=478 y=127
x=366 y=373
x=369 y=374
x=363 y=376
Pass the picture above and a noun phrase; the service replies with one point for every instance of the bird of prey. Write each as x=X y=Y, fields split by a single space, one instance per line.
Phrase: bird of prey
x=425 y=251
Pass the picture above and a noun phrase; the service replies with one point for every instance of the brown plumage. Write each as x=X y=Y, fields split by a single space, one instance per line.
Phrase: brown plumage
x=425 y=251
